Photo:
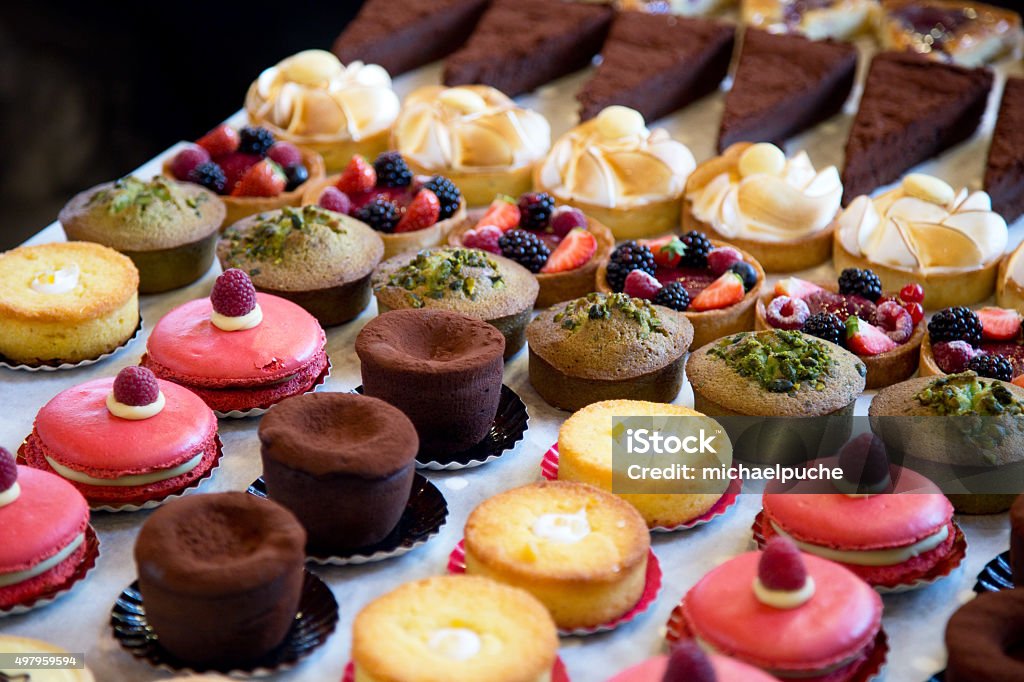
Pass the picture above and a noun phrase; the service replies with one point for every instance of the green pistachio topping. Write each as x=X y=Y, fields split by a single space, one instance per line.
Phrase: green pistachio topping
x=438 y=274
x=129 y=192
x=968 y=394
x=598 y=306
x=267 y=239
x=781 y=361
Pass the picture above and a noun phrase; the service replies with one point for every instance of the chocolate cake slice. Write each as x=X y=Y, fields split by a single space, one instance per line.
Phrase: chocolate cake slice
x=783 y=85
x=1004 y=174
x=521 y=44
x=912 y=109
x=657 y=63
x=402 y=36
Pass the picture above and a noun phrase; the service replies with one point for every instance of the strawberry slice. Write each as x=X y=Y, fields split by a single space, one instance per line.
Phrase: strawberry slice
x=667 y=250
x=423 y=212
x=1019 y=381
x=863 y=338
x=265 y=179
x=220 y=141
x=503 y=213
x=576 y=248
x=722 y=293
x=358 y=177
x=999 y=324
x=794 y=287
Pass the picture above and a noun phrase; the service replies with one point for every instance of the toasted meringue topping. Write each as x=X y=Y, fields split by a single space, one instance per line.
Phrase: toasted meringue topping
x=313 y=95
x=614 y=161
x=470 y=127
x=922 y=225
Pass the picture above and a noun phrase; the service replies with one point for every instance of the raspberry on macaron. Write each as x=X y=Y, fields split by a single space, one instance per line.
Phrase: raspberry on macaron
x=687 y=662
x=234 y=302
x=136 y=394
x=9 y=489
x=782 y=581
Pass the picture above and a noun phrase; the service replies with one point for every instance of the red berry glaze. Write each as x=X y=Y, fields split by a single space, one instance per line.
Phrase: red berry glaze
x=781 y=567
x=640 y=284
x=687 y=662
x=233 y=294
x=484 y=237
x=220 y=141
x=187 y=159
x=358 y=177
x=136 y=386
x=285 y=154
x=423 y=212
x=8 y=470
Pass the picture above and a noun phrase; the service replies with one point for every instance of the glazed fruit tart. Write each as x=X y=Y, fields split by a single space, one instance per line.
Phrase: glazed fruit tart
x=987 y=341
x=715 y=284
x=884 y=331
x=560 y=245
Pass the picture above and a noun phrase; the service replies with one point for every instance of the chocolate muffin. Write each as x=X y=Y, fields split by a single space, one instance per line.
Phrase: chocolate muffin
x=983 y=639
x=442 y=369
x=167 y=228
x=221 y=575
x=488 y=287
x=342 y=463
x=313 y=257
x=607 y=347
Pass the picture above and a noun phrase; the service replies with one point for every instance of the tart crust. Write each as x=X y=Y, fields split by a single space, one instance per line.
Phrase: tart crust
x=634 y=222
x=1009 y=293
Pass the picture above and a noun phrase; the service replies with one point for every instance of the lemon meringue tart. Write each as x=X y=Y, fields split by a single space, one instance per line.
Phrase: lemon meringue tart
x=314 y=101
x=619 y=172
x=923 y=230
x=779 y=210
x=1010 y=283
x=475 y=135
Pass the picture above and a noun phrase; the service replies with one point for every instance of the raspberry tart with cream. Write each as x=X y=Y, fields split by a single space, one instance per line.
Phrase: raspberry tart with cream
x=987 y=341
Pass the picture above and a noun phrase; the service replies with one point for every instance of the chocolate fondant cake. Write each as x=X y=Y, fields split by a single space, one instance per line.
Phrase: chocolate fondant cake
x=221 y=575
x=1017 y=540
x=442 y=369
x=785 y=84
x=983 y=639
x=342 y=463
x=657 y=63
x=1004 y=173
x=912 y=109
x=403 y=36
x=521 y=44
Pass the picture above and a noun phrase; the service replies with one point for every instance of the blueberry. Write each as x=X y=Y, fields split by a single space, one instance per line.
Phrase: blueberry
x=296 y=175
x=746 y=272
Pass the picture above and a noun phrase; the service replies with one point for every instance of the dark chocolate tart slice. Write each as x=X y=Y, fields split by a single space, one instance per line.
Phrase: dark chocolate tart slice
x=1004 y=172
x=783 y=85
x=402 y=36
x=657 y=63
x=522 y=44
x=912 y=109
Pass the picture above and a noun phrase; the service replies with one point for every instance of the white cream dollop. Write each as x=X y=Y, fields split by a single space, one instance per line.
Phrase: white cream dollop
x=457 y=644
x=10 y=495
x=904 y=230
x=611 y=162
x=784 y=599
x=761 y=195
x=59 y=281
x=564 y=529
x=313 y=95
x=467 y=128
x=129 y=480
x=872 y=557
x=136 y=412
x=237 y=324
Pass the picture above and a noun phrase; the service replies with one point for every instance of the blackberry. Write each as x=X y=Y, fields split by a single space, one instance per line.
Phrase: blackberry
x=535 y=210
x=958 y=323
x=447 y=193
x=525 y=248
x=697 y=249
x=209 y=175
x=391 y=170
x=673 y=295
x=825 y=326
x=255 y=140
x=380 y=214
x=629 y=256
x=865 y=283
x=991 y=366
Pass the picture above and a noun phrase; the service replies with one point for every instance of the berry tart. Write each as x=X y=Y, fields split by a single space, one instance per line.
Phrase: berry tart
x=249 y=169
x=979 y=635
x=885 y=332
x=779 y=210
x=66 y=303
x=457 y=628
x=923 y=231
x=43 y=527
x=330 y=109
x=558 y=244
x=409 y=212
x=125 y=442
x=607 y=346
x=1010 y=279
x=483 y=285
x=585 y=454
x=238 y=350
x=687 y=662
x=167 y=228
x=474 y=135
x=616 y=170
x=987 y=341
x=817 y=20
x=581 y=551
x=826 y=622
x=316 y=258
x=714 y=284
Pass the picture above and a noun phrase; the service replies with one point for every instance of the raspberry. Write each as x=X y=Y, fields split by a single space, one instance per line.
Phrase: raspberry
x=781 y=567
x=285 y=154
x=952 y=356
x=723 y=258
x=991 y=366
x=380 y=214
x=673 y=295
x=333 y=199
x=627 y=257
x=697 y=250
x=187 y=159
x=896 y=322
x=447 y=193
x=860 y=282
x=525 y=248
x=535 y=210
x=864 y=461
x=787 y=313
x=136 y=386
x=485 y=237
x=8 y=470
x=958 y=323
x=565 y=218
x=255 y=140
x=391 y=170
x=687 y=662
x=233 y=294
x=210 y=176
x=235 y=165
x=639 y=284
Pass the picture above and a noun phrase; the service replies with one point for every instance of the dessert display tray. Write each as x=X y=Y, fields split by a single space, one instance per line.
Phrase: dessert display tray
x=914 y=621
